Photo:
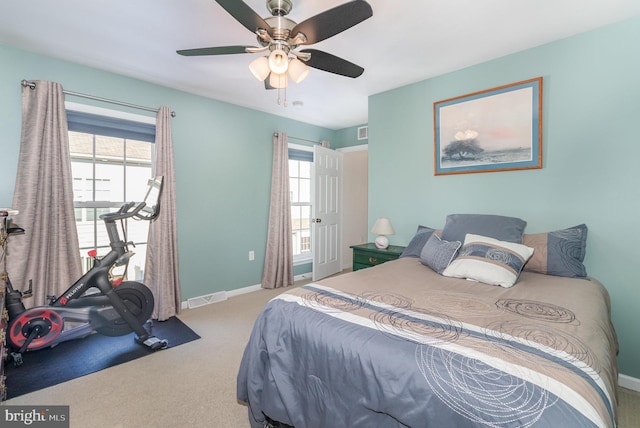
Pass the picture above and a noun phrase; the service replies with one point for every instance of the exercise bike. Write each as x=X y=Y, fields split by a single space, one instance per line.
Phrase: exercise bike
x=100 y=301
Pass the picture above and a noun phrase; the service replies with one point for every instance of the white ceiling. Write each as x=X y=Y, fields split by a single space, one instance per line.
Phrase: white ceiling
x=404 y=42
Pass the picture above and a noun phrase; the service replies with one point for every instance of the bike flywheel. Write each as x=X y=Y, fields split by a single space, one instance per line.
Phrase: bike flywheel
x=138 y=299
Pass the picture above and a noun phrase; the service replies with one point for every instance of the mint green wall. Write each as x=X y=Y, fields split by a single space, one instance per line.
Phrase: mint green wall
x=222 y=158
x=590 y=169
x=348 y=137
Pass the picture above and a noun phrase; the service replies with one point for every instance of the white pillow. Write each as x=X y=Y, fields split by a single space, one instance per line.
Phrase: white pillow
x=489 y=261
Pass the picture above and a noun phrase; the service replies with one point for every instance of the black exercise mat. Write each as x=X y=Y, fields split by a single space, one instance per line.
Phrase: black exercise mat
x=76 y=358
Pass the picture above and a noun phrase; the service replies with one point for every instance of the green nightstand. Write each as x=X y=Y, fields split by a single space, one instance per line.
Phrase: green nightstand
x=367 y=255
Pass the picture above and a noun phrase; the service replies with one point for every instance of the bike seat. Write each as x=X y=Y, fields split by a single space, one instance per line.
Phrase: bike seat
x=11 y=230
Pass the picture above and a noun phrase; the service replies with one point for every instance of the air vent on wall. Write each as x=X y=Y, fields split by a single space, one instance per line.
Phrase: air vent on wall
x=195 y=302
x=363 y=133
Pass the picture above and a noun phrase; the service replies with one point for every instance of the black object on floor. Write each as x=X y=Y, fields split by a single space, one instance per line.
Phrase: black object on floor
x=76 y=358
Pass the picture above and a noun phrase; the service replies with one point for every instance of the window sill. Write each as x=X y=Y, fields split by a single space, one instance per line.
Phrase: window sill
x=302 y=260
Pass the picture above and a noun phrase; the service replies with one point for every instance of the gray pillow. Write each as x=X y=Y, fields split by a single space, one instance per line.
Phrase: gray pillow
x=438 y=254
x=417 y=242
x=498 y=227
x=559 y=253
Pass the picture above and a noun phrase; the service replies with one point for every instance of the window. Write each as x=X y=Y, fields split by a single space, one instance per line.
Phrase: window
x=111 y=161
x=300 y=161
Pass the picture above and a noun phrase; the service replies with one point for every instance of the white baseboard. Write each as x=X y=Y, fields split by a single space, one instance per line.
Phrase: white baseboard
x=207 y=299
x=244 y=290
x=629 y=382
x=302 y=276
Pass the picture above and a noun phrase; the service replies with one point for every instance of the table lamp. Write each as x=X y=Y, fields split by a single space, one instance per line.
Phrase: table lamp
x=382 y=228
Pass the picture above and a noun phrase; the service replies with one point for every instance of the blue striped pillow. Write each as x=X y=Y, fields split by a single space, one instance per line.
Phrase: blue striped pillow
x=489 y=261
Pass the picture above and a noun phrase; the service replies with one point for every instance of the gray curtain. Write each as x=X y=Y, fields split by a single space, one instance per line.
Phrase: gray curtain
x=161 y=265
x=48 y=252
x=278 y=261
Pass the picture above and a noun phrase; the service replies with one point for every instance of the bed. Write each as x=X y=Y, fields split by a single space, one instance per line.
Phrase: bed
x=406 y=344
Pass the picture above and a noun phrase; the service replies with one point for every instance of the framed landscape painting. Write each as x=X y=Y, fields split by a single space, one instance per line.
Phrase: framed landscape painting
x=498 y=129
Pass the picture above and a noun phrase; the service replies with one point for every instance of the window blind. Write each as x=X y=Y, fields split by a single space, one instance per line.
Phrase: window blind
x=301 y=155
x=110 y=126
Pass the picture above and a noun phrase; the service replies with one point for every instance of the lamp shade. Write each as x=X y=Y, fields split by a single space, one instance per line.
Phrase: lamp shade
x=278 y=61
x=298 y=70
x=278 y=81
x=383 y=227
x=260 y=68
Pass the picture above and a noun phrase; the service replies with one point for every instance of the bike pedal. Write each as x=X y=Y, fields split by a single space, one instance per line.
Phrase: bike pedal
x=154 y=343
x=17 y=358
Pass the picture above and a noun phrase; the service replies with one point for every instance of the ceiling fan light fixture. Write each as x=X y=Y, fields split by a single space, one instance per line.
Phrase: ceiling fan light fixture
x=278 y=61
x=278 y=81
x=260 y=68
x=298 y=70
x=278 y=37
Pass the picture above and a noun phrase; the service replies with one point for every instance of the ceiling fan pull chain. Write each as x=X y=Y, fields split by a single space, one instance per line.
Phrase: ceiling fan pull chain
x=285 y=96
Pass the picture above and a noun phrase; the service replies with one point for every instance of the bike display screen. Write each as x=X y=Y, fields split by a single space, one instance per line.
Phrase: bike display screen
x=152 y=198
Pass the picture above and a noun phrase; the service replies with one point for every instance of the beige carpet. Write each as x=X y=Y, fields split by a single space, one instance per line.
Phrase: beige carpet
x=191 y=385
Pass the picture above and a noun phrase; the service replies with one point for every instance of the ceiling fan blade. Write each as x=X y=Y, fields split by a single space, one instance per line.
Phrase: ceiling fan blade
x=333 y=21
x=245 y=15
x=332 y=64
x=221 y=50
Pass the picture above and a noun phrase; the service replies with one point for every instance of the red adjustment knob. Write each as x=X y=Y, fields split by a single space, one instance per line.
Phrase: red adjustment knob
x=92 y=253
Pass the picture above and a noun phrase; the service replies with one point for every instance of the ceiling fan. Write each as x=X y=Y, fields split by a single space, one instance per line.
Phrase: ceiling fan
x=280 y=37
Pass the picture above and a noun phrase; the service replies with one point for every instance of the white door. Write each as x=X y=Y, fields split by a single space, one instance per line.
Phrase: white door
x=326 y=216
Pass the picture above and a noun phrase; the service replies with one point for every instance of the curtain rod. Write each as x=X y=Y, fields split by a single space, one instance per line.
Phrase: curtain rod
x=32 y=85
x=275 y=134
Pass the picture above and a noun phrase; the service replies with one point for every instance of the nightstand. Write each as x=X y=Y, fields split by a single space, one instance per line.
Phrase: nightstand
x=367 y=255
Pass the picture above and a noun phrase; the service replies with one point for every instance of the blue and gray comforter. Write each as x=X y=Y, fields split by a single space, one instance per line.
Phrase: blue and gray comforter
x=401 y=346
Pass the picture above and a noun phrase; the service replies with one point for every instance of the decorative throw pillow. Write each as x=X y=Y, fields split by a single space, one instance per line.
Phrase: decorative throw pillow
x=417 y=242
x=489 y=261
x=508 y=229
x=559 y=253
x=437 y=254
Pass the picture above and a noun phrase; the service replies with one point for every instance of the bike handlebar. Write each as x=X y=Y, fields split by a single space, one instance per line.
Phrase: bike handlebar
x=124 y=212
x=146 y=210
x=126 y=207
